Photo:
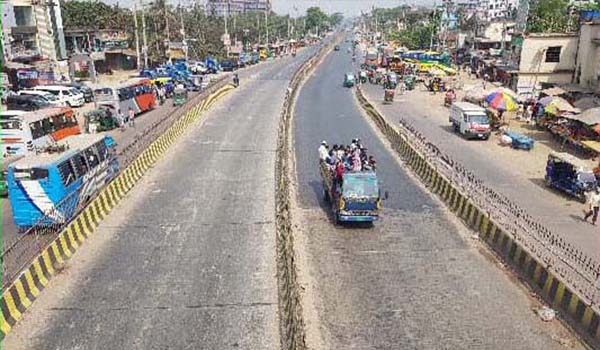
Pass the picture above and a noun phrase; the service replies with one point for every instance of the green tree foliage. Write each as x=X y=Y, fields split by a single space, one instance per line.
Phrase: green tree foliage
x=203 y=31
x=550 y=16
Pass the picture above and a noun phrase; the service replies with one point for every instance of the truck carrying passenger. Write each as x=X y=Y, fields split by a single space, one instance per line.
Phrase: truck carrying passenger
x=350 y=182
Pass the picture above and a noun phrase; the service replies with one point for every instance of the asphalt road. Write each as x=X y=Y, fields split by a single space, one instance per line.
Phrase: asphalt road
x=560 y=214
x=188 y=260
x=415 y=280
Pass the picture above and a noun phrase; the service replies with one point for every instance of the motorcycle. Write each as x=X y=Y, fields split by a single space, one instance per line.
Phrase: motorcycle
x=449 y=99
x=388 y=96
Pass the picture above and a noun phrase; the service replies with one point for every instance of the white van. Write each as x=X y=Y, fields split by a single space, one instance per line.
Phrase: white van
x=50 y=98
x=70 y=96
x=470 y=120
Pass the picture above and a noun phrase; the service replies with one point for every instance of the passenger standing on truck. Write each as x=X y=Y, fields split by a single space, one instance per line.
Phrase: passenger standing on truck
x=323 y=150
x=594 y=202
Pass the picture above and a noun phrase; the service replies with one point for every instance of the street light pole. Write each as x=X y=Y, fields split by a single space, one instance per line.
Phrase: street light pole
x=145 y=39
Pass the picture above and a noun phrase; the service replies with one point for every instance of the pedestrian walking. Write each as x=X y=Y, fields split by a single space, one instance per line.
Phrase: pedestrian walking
x=594 y=202
x=130 y=116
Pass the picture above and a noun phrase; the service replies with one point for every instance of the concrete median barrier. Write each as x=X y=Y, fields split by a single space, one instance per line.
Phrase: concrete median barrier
x=581 y=312
x=20 y=295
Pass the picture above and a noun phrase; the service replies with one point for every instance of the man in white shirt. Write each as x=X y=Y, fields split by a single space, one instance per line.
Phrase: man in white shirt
x=323 y=150
x=594 y=201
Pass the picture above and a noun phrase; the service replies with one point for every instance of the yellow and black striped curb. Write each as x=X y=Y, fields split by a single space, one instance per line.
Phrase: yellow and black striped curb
x=20 y=295
x=583 y=316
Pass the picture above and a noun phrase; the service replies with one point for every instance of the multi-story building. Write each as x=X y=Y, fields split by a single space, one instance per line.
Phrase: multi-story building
x=232 y=7
x=486 y=9
x=32 y=28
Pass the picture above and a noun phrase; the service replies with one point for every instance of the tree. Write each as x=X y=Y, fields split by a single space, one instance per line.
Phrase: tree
x=315 y=18
x=549 y=16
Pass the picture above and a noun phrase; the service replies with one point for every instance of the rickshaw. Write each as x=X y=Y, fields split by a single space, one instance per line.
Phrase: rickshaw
x=179 y=96
x=98 y=120
x=570 y=175
x=348 y=80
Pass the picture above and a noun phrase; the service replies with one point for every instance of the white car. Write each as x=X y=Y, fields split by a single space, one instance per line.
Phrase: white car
x=50 y=98
x=68 y=95
x=198 y=68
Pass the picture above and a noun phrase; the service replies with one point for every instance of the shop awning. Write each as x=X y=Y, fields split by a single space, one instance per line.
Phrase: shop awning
x=588 y=117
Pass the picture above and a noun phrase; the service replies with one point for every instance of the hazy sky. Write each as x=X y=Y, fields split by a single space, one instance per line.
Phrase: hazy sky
x=298 y=7
x=347 y=7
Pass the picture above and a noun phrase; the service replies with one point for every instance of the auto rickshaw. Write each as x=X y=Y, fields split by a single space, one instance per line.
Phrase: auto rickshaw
x=409 y=82
x=179 y=96
x=348 y=80
x=363 y=77
x=570 y=175
x=392 y=79
x=98 y=120
x=389 y=92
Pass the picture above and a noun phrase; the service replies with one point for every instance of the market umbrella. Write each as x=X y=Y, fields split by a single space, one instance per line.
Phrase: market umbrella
x=544 y=101
x=501 y=101
x=559 y=105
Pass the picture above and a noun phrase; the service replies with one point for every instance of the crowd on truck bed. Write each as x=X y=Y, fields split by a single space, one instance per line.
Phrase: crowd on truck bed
x=346 y=158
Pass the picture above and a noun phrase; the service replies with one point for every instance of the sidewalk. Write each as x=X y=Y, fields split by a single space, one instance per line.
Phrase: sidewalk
x=517 y=174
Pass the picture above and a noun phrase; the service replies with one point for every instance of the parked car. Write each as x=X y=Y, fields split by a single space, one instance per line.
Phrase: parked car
x=88 y=93
x=50 y=98
x=26 y=102
x=198 y=68
x=70 y=96
x=228 y=66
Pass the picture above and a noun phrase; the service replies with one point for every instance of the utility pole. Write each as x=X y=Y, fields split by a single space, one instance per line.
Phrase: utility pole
x=145 y=46
x=432 y=26
x=137 y=37
x=184 y=41
x=267 y=27
x=167 y=29
x=258 y=26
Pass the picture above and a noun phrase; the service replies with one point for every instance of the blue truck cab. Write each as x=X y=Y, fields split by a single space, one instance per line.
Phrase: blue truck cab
x=356 y=199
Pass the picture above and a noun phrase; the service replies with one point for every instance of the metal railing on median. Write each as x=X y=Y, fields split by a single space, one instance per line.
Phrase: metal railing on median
x=578 y=270
x=18 y=254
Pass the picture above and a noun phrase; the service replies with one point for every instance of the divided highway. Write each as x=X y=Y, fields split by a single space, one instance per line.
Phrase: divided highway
x=188 y=260
x=413 y=281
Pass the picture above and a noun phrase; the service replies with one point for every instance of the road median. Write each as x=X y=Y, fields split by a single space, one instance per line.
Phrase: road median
x=567 y=281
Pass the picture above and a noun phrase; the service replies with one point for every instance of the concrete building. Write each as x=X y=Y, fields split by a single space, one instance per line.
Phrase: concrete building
x=547 y=59
x=32 y=28
x=588 y=56
x=232 y=7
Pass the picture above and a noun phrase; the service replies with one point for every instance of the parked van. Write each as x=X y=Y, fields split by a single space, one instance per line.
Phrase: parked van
x=52 y=100
x=70 y=96
x=470 y=120
x=26 y=102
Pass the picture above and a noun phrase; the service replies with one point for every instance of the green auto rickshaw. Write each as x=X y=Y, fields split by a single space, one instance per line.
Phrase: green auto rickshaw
x=348 y=80
x=179 y=96
x=98 y=120
x=409 y=82
x=3 y=185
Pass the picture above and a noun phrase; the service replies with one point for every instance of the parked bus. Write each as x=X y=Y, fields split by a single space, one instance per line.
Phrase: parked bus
x=35 y=131
x=136 y=93
x=50 y=188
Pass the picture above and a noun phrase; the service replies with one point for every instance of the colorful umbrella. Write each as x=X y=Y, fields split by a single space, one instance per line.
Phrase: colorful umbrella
x=559 y=105
x=501 y=101
x=544 y=101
